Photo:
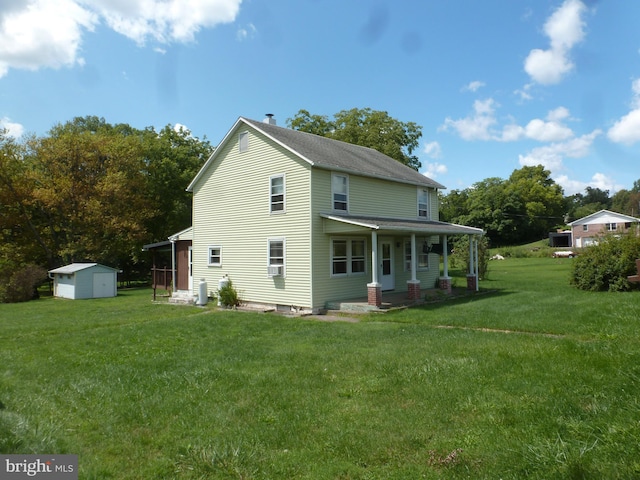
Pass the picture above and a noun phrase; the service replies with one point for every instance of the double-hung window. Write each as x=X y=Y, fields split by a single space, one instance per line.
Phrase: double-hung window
x=422 y=253
x=215 y=256
x=423 y=203
x=348 y=256
x=276 y=256
x=277 y=194
x=611 y=227
x=340 y=192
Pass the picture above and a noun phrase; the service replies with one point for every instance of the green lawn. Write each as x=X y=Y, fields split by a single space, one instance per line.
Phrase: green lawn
x=534 y=379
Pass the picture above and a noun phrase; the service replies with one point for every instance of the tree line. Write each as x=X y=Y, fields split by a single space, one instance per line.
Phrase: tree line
x=93 y=191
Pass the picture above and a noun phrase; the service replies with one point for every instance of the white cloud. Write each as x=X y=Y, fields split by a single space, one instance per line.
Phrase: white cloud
x=552 y=156
x=599 y=180
x=433 y=150
x=435 y=169
x=481 y=126
x=15 y=129
x=565 y=29
x=473 y=86
x=476 y=126
x=42 y=33
x=165 y=21
x=627 y=129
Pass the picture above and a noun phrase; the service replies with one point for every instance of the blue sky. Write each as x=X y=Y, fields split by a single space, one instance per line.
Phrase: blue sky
x=495 y=84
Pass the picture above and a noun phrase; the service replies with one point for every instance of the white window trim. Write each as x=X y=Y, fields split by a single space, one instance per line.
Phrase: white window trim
x=243 y=146
x=284 y=255
x=428 y=209
x=211 y=247
x=284 y=194
x=333 y=203
x=349 y=273
x=407 y=268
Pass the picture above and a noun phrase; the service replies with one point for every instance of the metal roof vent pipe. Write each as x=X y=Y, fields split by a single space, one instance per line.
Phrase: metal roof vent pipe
x=269 y=119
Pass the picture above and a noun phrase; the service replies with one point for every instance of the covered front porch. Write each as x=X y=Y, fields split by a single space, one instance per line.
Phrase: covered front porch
x=382 y=289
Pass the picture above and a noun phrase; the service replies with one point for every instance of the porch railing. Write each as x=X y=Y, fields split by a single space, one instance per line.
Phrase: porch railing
x=161 y=278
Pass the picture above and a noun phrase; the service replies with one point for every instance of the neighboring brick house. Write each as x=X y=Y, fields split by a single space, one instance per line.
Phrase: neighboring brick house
x=585 y=231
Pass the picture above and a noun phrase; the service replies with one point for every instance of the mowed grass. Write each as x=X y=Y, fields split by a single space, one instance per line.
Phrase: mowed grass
x=529 y=379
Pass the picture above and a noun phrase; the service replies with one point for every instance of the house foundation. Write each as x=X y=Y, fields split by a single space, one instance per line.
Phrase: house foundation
x=413 y=289
x=472 y=282
x=374 y=294
x=445 y=284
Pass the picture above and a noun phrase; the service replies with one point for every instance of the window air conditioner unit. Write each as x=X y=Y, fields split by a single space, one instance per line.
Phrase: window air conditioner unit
x=275 y=271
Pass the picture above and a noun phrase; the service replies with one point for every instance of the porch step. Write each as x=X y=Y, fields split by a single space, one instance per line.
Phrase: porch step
x=355 y=307
x=182 y=299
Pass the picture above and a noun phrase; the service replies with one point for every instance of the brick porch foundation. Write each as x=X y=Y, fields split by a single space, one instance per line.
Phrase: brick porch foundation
x=445 y=284
x=413 y=289
x=374 y=294
x=472 y=282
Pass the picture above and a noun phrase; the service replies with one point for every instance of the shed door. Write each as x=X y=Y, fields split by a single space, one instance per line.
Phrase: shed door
x=103 y=285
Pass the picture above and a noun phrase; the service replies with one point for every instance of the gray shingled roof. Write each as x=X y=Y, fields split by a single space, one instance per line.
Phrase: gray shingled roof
x=431 y=227
x=332 y=154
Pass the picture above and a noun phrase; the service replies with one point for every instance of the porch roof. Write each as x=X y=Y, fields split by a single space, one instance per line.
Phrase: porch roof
x=396 y=225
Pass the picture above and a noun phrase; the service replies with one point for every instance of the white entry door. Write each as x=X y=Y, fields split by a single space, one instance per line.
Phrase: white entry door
x=387 y=277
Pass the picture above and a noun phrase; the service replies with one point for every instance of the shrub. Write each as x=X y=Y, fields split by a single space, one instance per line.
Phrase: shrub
x=229 y=296
x=607 y=265
x=21 y=284
x=460 y=256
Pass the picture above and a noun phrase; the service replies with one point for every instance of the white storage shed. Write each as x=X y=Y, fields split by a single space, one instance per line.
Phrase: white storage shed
x=84 y=280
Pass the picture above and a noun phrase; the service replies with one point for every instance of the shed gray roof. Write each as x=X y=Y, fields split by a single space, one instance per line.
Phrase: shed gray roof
x=326 y=153
x=76 y=267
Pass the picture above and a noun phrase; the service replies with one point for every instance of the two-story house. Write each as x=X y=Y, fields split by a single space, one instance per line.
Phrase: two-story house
x=296 y=220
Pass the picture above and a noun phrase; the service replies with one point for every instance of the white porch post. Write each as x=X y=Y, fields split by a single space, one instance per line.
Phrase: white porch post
x=414 y=259
x=445 y=257
x=374 y=289
x=374 y=256
x=413 y=285
x=471 y=262
x=472 y=276
x=445 y=280
x=477 y=267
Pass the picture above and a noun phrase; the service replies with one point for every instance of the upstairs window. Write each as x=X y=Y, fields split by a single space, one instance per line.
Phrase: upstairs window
x=585 y=228
x=423 y=203
x=277 y=199
x=340 y=192
x=243 y=141
x=611 y=227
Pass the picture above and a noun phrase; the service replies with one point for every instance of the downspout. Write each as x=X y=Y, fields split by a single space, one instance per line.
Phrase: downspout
x=173 y=266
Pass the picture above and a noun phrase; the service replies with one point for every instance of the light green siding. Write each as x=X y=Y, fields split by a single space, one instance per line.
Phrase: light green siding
x=231 y=209
x=371 y=197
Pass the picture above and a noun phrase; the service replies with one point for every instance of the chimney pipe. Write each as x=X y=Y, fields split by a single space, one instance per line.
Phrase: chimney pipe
x=269 y=119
